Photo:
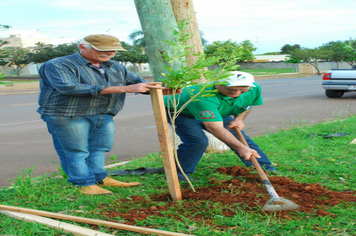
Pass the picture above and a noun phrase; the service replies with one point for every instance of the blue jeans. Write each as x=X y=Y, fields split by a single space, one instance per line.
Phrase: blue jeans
x=195 y=142
x=81 y=143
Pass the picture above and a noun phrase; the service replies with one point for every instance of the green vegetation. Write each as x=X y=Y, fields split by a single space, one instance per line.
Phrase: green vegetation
x=300 y=153
x=257 y=72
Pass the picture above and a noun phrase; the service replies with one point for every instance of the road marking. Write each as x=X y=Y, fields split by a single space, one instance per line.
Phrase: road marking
x=18 y=123
x=24 y=104
x=11 y=93
x=304 y=91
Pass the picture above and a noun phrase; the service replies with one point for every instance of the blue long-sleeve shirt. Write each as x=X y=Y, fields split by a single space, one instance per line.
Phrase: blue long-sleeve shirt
x=71 y=86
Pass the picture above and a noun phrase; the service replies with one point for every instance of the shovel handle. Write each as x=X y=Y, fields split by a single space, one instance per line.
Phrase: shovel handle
x=272 y=192
x=242 y=139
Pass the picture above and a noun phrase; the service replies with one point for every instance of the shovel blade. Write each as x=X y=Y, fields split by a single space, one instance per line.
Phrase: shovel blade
x=283 y=204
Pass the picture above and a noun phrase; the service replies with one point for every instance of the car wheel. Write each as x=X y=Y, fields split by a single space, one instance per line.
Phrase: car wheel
x=334 y=93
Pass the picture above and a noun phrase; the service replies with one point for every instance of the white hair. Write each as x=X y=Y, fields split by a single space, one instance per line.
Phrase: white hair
x=85 y=44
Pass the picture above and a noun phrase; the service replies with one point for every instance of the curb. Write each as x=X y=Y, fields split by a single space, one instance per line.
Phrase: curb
x=19 y=88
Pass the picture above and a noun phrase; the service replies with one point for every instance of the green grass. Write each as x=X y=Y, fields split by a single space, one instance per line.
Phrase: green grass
x=259 y=72
x=5 y=83
x=300 y=153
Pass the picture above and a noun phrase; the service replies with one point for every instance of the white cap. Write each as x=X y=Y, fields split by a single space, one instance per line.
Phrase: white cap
x=240 y=78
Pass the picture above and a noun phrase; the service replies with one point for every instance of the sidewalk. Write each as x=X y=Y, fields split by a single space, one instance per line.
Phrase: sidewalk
x=19 y=88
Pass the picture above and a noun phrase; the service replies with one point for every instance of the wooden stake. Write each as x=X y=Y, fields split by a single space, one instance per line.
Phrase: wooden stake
x=115 y=225
x=165 y=143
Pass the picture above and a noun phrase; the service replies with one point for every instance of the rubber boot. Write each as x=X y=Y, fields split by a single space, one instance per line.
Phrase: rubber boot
x=114 y=183
x=94 y=190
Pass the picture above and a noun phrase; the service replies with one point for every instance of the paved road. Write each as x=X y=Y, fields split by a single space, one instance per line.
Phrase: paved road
x=24 y=141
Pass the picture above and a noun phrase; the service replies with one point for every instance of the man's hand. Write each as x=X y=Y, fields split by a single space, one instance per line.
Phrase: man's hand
x=247 y=153
x=170 y=91
x=143 y=87
x=237 y=123
x=158 y=85
x=134 y=88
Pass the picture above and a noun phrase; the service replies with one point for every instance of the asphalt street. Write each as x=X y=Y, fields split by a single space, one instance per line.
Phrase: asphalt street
x=25 y=142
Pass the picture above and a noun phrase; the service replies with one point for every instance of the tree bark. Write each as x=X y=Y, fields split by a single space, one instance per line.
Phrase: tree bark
x=184 y=9
x=158 y=22
x=5 y=67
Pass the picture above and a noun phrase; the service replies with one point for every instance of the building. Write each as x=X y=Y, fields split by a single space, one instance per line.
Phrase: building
x=15 y=40
x=271 y=58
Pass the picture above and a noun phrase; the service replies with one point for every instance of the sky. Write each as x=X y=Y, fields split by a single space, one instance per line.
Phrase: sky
x=269 y=25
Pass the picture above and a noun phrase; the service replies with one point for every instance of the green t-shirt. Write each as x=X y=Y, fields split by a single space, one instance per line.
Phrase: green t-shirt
x=213 y=107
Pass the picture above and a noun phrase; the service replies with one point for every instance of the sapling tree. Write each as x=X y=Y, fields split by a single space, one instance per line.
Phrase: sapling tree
x=180 y=76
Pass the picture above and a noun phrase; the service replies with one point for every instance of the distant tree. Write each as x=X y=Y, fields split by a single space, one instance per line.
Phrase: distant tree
x=133 y=54
x=311 y=56
x=66 y=49
x=287 y=48
x=204 y=42
x=3 y=42
x=16 y=58
x=339 y=51
x=44 y=52
x=350 y=47
x=5 y=27
x=138 y=39
x=225 y=49
x=247 y=50
x=20 y=60
x=271 y=53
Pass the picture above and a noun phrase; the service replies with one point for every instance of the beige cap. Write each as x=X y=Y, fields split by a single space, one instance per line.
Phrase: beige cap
x=103 y=42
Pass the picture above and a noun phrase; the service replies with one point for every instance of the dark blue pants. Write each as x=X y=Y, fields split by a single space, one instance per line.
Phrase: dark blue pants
x=195 y=142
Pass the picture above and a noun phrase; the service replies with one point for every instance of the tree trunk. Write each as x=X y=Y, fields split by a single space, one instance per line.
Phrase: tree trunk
x=158 y=22
x=5 y=67
x=184 y=9
x=316 y=66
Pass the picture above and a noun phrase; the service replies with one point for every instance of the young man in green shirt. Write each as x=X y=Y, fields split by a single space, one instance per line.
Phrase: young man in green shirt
x=217 y=113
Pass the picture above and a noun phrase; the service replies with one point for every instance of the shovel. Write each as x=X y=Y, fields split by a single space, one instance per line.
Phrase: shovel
x=276 y=203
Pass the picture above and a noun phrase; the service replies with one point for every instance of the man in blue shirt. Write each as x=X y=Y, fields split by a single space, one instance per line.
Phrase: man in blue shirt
x=216 y=109
x=79 y=96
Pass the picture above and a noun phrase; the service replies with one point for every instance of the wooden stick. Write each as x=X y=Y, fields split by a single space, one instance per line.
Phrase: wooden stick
x=255 y=163
x=90 y=221
x=165 y=142
x=55 y=224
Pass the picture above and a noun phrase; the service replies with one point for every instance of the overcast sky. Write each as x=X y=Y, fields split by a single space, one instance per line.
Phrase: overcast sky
x=267 y=24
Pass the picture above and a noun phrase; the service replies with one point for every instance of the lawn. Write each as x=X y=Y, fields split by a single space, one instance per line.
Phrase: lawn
x=316 y=172
x=261 y=72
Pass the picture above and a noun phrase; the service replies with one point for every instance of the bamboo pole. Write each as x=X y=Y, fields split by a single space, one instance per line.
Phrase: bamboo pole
x=170 y=168
x=55 y=224
x=90 y=221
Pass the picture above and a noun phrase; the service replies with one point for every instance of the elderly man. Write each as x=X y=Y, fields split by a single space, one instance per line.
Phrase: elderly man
x=79 y=96
x=217 y=113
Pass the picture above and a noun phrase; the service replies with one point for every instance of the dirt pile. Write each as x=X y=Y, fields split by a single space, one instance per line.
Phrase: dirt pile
x=244 y=191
